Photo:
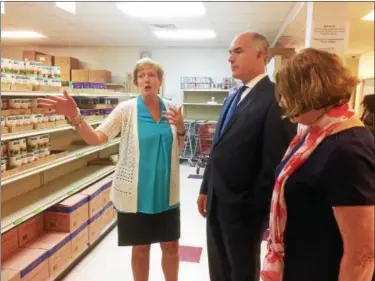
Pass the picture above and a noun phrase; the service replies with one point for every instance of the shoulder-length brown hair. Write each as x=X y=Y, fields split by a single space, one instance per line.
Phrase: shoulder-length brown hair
x=313 y=80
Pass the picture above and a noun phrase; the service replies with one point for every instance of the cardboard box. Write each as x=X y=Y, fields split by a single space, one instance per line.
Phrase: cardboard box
x=32 y=264
x=46 y=60
x=80 y=240
x=10 y=275
x=95 y=227
x=80 y=75
x=66 y=65
x=114 y=213
x=69 y=62
x=9 y=243
x=107 y=215
x=59 y=248
x=94 y=193
x=106 y=191
x=65 y=73
x=68 y=215
x=31 y=55
x=100 y=76
x=30 y=229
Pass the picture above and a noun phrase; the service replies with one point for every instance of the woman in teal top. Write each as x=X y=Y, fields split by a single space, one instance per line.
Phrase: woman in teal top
x=155 y=220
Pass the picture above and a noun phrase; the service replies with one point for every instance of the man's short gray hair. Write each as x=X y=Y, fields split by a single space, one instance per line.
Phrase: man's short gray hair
x=260 y=43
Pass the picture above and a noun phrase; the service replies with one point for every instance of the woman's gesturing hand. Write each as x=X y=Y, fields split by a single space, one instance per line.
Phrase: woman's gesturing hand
x=174 y=117
x=64 y=106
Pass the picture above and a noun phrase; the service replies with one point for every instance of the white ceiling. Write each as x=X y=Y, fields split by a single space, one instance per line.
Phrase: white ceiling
x=103 y=24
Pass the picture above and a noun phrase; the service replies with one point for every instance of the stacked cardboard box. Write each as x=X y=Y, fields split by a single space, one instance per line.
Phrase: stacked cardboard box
x=100 y=76
x=29 y=253
x=58 y=247
x=80 y=75
x=67 y=64
x=95 y=224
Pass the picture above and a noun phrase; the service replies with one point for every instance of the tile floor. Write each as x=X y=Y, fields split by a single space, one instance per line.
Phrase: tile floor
x=109 y=262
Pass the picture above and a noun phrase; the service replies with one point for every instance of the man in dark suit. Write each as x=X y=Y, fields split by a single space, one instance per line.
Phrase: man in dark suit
x=250 y=141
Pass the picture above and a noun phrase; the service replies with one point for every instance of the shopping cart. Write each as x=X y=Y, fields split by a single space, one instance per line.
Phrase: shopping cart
x=206 y=133
x=189 y=151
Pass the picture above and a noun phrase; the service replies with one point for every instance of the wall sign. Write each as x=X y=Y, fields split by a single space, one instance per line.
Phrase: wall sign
x=331 y=37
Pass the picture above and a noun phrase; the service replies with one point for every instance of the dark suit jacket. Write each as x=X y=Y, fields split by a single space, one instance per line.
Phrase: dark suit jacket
x=243 y=159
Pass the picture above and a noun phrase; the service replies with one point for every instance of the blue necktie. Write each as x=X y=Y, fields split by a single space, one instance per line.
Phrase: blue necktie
x=232 y=108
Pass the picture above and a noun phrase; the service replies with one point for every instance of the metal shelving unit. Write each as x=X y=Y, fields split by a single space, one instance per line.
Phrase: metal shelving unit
x=73 y=155
x=203 y=104
x=26 y=134
x=27 y=205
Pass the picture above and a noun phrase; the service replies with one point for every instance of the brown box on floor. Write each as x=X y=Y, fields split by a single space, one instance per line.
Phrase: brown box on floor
x=68 y=215
x=59 y=248
x=107 y=215
x=9 y=243
x=94 y=193
x=95 y=227
x=31 y=264
x=30 y=229
x=80 y=240
x=80 y=75
x=66 y=65
x=10 y=275
x=46 y=60
x=100 y=76
x=106 y=191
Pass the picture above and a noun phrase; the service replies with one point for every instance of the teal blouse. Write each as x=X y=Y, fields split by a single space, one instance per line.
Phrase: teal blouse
x=155 y=146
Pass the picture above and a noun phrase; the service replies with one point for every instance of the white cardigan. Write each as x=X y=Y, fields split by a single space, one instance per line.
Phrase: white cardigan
x=125 y=184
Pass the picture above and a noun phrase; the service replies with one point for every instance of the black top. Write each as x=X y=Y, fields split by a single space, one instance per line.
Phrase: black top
x=340 y=172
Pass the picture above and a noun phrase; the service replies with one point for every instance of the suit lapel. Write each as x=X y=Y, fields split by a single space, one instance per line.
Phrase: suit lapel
x=246 y=102
x=223 y=113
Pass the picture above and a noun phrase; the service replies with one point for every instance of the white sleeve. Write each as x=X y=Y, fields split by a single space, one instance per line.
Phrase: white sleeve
x=111 y=126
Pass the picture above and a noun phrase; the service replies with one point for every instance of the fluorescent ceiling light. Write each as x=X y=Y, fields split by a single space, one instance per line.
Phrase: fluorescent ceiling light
x=369 y=16
x=3 y=8
x=162 y=9
x=185 y=34
x=21 y=34
x=67 y=6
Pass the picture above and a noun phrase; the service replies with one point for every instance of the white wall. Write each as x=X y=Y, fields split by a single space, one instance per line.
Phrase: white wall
x=176 y=62
x=366 y=66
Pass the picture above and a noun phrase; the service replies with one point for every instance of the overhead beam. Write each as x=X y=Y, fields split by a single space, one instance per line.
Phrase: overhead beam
x=290 y=18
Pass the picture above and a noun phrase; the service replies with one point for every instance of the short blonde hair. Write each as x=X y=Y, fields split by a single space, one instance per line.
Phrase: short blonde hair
x=313 y=80
x=146 y=62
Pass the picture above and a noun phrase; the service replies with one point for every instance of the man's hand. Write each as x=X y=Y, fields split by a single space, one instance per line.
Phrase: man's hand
x=202 y=204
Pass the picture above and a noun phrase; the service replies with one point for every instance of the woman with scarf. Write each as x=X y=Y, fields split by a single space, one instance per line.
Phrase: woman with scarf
x=322 y=209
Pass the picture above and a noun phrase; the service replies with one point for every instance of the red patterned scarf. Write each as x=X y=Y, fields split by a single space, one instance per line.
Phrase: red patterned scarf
x=273 y=266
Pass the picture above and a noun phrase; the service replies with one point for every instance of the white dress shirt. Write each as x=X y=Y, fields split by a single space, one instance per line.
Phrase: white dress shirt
x=251 y=85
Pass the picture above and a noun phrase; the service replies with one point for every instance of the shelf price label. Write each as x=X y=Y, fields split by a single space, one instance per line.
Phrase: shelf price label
x=17 y=222
x=37 y=211
x=80 y=154
x=70 y=192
